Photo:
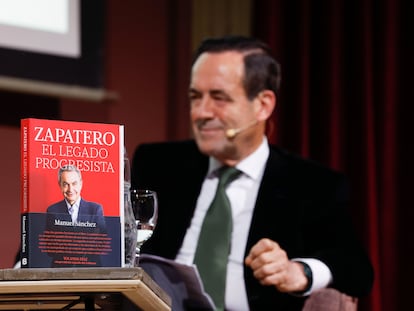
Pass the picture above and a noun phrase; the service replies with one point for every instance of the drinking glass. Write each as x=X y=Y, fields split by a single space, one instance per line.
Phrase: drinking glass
x=145 y=207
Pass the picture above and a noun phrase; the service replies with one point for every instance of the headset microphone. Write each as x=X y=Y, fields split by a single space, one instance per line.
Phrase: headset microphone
x=233 y=132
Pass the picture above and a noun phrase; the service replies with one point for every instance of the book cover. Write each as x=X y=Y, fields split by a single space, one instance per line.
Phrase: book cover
x=71 y=194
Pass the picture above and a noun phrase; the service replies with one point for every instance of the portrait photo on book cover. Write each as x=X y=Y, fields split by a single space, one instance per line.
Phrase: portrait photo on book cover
x=78 y=223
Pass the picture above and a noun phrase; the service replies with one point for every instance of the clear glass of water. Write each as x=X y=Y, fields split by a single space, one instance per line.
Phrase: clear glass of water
x=145 y=207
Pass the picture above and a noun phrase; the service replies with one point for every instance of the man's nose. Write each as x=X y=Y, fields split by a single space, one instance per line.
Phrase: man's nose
x=205 y=107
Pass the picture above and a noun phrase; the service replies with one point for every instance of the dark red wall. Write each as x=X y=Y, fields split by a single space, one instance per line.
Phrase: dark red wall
x=146 y=53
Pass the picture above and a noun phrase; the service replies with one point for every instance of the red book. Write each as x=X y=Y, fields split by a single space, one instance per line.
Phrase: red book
x=71 y=194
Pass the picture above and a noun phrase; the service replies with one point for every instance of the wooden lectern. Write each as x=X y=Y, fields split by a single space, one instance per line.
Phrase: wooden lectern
x=80 y=289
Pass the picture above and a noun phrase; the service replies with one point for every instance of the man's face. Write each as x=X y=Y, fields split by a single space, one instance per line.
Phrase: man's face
x=71 y=186
x=218 y=102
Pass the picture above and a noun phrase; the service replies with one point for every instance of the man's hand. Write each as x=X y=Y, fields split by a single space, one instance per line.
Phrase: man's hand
x=271 y=266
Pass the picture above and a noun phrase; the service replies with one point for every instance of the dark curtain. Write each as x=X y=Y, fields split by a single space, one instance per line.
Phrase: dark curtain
x=347 y=100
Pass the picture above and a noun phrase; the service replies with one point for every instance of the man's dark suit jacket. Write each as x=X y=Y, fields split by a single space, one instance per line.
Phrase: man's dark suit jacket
x=88 y=212
x=301 y=205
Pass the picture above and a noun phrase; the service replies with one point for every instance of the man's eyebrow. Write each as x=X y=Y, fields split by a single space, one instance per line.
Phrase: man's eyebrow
x=221 y=93
x=214 y=93
x=217 y=92
x=192 y=90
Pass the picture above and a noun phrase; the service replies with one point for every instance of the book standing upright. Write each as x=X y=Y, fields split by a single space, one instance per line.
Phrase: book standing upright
x=50 y=236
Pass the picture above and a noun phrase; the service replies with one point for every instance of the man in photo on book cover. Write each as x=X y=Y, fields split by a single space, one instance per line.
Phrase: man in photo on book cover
x=73 y=213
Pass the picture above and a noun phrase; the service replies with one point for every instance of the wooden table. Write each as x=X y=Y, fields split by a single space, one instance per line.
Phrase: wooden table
x=80 y=289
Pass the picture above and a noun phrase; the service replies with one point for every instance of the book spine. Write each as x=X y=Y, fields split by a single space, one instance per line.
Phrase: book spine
x=24 y=166
x=24 y=193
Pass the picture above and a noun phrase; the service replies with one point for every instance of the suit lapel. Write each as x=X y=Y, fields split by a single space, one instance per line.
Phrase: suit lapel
x=274 y=214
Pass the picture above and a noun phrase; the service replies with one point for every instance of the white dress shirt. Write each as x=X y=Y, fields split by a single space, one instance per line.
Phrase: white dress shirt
x=242 y=194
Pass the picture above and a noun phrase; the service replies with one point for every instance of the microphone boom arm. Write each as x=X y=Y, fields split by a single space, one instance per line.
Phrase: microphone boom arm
x=233 y=132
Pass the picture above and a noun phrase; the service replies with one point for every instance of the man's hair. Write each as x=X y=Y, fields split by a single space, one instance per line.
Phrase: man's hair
x=68 y=168
x=261 y=70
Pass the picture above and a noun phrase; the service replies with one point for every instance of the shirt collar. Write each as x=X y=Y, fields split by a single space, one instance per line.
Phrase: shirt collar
x=75 y=205
x=252 y=166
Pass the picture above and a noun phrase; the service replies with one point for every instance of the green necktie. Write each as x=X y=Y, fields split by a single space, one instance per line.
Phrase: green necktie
x=213 y=246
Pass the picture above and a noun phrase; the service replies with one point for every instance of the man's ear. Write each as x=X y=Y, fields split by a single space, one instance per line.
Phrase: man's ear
x=265 y=103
